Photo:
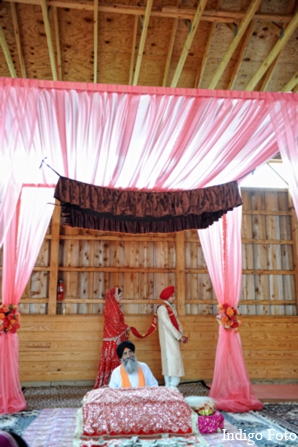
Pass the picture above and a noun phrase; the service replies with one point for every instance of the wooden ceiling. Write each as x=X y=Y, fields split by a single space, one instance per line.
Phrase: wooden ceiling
x=240 y=45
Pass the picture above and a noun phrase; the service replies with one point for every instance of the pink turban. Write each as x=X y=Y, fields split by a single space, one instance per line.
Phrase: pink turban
x=167 y=293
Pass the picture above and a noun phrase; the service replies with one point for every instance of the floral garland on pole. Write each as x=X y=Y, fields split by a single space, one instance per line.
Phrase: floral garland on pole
x=227 y=316
x=9 y=318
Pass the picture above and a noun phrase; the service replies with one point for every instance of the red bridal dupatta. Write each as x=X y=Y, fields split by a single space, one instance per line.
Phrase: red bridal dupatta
x=115 y=331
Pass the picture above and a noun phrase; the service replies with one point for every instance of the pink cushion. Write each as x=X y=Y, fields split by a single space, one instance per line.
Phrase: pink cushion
x=211 y=424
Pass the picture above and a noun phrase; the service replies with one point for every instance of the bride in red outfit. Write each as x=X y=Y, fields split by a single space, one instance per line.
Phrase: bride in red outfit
x=115 y=331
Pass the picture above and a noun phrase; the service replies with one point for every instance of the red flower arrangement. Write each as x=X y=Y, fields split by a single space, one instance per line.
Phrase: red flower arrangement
x=9 y=318
x=227 y=317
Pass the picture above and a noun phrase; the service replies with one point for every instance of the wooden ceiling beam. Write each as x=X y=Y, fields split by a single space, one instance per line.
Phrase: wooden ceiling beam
x=47 y=27
x=201 y=68
x=277 y=30
x=18 y=39
x=188 y=42
x=133 y=49
x=241 y=55
x=253 y=7
x=142 y=41
x=166 y=12
x=291 y=84
x=281 y=43
x=170 y=50
x=95 y=42
x=57 y=40
x=268 y=75
x=7 y=54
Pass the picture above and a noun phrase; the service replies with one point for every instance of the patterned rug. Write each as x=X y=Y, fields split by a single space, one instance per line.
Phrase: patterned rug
x=285 y=414
x=38 y=398
x=18 y=422
x=55 y=428
x=45 y=424
x=253 y=428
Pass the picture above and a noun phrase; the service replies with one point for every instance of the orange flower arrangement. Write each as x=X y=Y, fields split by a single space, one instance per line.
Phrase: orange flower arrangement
x=9 y=318
x=227 y=317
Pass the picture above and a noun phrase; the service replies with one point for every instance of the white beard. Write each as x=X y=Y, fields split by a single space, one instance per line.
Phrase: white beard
x=130 y=365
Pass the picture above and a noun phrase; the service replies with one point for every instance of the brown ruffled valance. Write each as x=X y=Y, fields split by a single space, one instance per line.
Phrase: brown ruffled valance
x=125 y=211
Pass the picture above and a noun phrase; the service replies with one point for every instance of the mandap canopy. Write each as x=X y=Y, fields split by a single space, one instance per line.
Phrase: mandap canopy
x=134 y=138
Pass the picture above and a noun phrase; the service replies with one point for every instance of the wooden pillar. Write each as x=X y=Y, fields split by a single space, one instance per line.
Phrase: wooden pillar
x=180 y=273
x=54 y=259
x=294 y=223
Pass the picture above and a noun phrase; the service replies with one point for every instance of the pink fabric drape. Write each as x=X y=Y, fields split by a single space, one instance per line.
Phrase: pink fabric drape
x=284 y=115
x=138 y=138
x=123 y=137
x=221 y=245
x=22 y=243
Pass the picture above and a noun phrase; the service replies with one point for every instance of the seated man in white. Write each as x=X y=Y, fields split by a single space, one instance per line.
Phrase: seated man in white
x=131 y=373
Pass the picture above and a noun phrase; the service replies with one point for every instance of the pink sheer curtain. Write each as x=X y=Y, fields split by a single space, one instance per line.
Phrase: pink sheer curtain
x=133 y=137
x=22 y=243
x=221 y=245
x=16 y=131
x=124 y=137
x=284 y=116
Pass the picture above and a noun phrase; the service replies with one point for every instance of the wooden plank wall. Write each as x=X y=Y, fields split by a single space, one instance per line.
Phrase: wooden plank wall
x=66 y=348
x=62 y=341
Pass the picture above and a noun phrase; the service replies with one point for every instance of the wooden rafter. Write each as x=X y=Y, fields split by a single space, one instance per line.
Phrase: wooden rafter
x=133 y=49
x=187 y=45
x=201 y=68
x=170 y=50
x=17 y=38
x=7 y=54
x=95 y=41
x=241 y=55
x=268 y=75
x=253 y=7
x=57 y=40
x=45 y=16
x=167 y=11
x=142 y=41
x=270 y=71
x=291 y=84
x=273 y=53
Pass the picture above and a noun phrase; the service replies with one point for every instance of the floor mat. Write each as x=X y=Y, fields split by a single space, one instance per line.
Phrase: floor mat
x=54 y=396
x=18 y=422
x=52 y=428
x=71 y=396
x=56 y=427
x=255 y=429
x=285 y=414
